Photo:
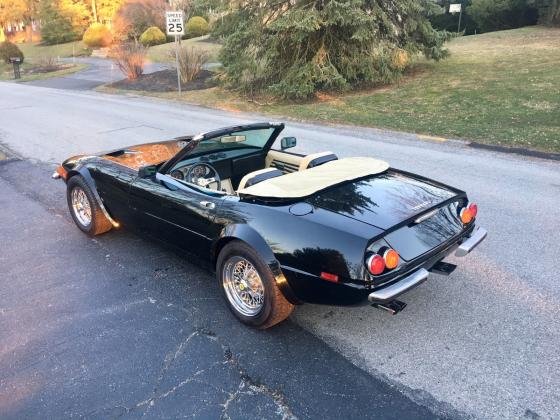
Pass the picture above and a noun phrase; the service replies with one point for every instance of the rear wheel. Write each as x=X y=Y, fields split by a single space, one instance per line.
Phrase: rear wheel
x=249 y=287
x=84 y=208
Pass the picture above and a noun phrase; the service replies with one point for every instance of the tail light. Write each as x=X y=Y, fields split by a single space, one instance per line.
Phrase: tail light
x=376 y=264
x=473 y=209
x=391 y=258
x=468 y=213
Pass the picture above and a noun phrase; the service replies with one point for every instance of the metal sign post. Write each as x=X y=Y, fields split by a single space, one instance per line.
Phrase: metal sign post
x=454 y=8
x=174 y=25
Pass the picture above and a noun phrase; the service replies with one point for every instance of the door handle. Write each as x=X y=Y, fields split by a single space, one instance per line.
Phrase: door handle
x=208 y=204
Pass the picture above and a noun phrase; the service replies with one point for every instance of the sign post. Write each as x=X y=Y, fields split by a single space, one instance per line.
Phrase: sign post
x=454 y=8
x=174 y=25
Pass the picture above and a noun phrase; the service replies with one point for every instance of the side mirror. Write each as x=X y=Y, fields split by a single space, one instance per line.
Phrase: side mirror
x=288 y=142
x=147 y=171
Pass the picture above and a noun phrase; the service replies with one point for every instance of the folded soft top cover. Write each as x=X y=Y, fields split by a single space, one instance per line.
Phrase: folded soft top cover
x=309 y=181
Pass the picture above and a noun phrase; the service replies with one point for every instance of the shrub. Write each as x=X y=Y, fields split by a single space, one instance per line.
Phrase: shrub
x=98 y=35
x=9 y=50
x=191 y=61
x=197 y=26
x=495 y=15
x=152 y=36
x=134 y=17
x=130 y=58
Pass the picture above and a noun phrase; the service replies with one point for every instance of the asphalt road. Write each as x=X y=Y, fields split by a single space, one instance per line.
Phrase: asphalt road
x=482 y=342
x=98 y=72
x=120 y=326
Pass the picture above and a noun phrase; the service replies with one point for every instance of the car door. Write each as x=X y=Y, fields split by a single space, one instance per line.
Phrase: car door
x=177 y=213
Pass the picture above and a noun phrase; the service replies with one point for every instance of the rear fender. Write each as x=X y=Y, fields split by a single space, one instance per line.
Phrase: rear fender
x=251 y=237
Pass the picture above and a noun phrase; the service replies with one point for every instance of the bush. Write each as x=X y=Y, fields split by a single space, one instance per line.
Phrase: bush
x=191 y=61
x=197 y=26
x=495 y=15
x=98 y=35
x=130 y=58
x=9 y=50
x=56 y=28
x=134 y=17
x=152 y=36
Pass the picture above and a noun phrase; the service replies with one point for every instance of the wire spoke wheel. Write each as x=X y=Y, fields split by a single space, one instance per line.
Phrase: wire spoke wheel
x=243 y=286
x=81 y=206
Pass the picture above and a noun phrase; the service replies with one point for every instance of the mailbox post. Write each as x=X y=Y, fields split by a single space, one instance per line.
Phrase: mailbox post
x=16 y=61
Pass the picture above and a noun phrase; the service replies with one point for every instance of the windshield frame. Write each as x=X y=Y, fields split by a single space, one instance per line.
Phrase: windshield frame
x=192 y=145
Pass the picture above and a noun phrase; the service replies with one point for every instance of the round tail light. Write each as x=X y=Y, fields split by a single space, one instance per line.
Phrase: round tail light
x=466 y=215
x=473 y=208
x=375 y=264
x=391 y=258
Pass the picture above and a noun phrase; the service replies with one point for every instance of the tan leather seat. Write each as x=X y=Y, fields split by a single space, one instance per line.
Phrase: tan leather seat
x=316 y=159
x=255 y=177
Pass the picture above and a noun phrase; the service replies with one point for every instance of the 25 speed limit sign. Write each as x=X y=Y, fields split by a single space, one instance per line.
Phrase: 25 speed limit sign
x=174 y=23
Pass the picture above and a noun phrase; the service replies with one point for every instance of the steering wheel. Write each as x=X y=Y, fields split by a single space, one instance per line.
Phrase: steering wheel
x=204 y=175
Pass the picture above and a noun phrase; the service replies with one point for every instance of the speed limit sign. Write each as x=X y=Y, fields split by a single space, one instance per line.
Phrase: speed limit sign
x=174 y=23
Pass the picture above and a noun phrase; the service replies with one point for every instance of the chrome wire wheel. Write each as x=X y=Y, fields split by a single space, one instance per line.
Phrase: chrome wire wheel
x=81 y=206
x=243 y=286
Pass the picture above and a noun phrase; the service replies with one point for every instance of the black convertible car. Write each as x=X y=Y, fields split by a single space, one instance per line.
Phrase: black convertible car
x=280 y=228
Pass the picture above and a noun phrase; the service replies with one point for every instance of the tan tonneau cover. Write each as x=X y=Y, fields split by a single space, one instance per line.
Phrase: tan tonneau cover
x=309 y=181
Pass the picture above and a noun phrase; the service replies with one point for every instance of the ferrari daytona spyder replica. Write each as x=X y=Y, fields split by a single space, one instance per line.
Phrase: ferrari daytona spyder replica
x=280 y=228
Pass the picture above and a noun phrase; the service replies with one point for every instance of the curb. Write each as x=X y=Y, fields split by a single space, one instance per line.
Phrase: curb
x=516 y=150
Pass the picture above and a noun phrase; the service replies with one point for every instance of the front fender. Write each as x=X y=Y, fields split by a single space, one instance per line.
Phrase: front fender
x=83 y=171
x=245 y=233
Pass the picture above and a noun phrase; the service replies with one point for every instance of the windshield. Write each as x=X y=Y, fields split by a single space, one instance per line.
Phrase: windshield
x=252 y=139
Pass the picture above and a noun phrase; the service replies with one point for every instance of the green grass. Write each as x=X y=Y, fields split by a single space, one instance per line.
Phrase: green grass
x=497 y=88
x=33 y=52
x=7 y=74
x=161 y=53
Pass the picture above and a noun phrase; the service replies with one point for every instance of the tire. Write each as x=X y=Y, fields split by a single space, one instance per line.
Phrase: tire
x=273 y=308
x=98 y=223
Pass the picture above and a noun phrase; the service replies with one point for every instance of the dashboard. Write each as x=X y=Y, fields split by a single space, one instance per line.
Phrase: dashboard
x=229 y=166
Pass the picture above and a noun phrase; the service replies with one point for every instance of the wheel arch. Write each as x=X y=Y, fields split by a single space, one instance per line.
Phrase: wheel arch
x=244 y=233
x=83 y=171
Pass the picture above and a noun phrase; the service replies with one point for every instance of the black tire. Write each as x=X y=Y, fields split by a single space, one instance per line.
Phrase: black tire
x=99 y=223
x=275 y=307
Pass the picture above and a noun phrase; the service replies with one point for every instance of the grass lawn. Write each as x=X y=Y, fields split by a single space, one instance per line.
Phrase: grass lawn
x=496 y=88
x=160 y=53
x=34 y=52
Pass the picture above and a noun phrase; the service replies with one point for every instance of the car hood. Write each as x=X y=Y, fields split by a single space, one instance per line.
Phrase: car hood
x=383 y=200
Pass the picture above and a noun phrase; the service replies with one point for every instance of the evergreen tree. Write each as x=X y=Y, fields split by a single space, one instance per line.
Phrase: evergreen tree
x=55 y=28
x=294 y=48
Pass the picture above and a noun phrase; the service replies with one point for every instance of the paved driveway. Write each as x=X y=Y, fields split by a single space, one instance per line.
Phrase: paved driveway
x=483 y=342
x=99 y=71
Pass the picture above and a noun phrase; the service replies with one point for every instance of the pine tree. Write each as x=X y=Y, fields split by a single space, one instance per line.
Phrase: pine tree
x=294 y=48
x=55 y=28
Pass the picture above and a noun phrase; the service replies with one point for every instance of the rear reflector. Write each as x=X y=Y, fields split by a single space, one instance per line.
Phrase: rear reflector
x=329 y=277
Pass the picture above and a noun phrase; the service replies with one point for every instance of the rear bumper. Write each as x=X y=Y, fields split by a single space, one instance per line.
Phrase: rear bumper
x=392 y=291
x=471 y=243
x=389 y=293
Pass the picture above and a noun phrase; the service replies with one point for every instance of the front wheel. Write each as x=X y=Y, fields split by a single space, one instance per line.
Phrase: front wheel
x=249 y=287
x=84 y=209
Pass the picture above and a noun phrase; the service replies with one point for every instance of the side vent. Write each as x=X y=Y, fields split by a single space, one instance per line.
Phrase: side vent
x=284 y=166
